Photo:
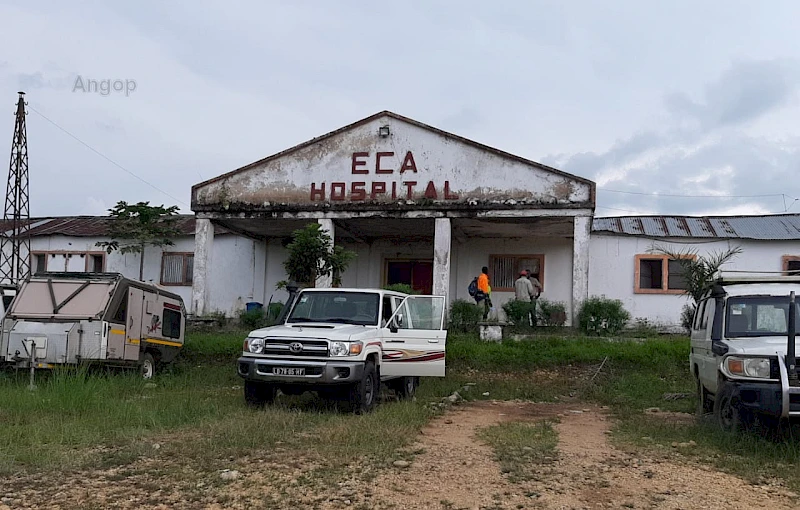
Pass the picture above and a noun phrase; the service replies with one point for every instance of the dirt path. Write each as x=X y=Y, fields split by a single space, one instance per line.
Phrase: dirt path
x=457 y=471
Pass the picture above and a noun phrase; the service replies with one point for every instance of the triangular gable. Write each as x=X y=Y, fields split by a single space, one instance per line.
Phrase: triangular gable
x=413 y=165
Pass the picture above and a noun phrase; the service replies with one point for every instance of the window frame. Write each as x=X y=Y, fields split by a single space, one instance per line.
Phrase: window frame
x=785 y=264
x=637 y=273
x=516 y=257
x=183 y=282
x=87 y=256
x=168 y=310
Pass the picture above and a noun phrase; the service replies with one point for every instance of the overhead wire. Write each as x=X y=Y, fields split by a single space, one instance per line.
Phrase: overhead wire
x=106 y=157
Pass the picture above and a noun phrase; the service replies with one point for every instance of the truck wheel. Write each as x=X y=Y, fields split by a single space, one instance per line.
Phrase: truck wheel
x=148 y=366
x=406 y=387
x=729 y=416
x=258 y=394
x=364 y=394
x=704 y=404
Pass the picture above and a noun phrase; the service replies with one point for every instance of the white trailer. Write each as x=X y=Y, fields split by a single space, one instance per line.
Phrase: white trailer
x=75 y=318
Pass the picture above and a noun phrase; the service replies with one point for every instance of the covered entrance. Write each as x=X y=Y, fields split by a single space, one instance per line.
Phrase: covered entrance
x=416 y=204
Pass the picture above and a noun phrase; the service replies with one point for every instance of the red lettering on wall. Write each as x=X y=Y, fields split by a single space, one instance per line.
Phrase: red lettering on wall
x=337 y=190
x=408 y=163
x=357 y=163
x=430 y=191
x=378 y=188
x=447 y=194
x=317 y=194
x=378 y=169
x=394 y=190
x=357 y=191
x=410 y=188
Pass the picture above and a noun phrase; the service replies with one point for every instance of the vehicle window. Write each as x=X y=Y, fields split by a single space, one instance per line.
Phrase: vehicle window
x=388 y=309
x=698 y=315
x=422 y=312
x=336 y=307
x=758 y=316
x=708 y=313
x=171 y=328
x=7 y=302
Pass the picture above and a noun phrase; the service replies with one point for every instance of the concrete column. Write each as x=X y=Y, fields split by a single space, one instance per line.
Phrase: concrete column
x=580 y=264
x=201 y=276
x=326 y=224
x=441 y=258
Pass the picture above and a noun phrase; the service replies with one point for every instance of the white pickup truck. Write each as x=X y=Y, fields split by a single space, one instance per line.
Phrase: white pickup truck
x=743 y=354
x=343 y=343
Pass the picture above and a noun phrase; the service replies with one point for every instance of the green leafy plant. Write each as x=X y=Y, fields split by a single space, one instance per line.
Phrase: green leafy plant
x=253 y=319
x=602 y=316
x=551 y=313
x=687 y=316
x=464 y=316
x=312 y=255
x=136 y=226
x=401 y=287
x=517 y=312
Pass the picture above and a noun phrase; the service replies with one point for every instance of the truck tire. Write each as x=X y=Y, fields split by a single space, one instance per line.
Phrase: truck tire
x=406 y=387
x=257 y=394
x=148 y=366
x=704 y=403
x=728 y=414
x=364 y=394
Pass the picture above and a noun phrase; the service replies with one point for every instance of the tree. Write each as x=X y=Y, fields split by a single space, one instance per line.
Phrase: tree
x=133 y=227
x=312 y=255
x=698 y=271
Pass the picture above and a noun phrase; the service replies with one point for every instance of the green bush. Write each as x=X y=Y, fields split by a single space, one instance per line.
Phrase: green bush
x=517 y=312
x=601 y=316
x=401 y=287
x=687 y=316
x=550 y=313
x=464 y=316
x=253 y=319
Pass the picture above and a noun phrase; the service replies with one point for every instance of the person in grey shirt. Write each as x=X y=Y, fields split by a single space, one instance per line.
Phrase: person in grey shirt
x=525 y=292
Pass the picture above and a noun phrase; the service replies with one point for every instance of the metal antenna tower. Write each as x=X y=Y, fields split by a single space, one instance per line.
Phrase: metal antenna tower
x=15 y=262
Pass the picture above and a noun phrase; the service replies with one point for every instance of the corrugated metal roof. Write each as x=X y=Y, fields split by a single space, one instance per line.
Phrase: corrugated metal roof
x=87 y=226
x=768 y=227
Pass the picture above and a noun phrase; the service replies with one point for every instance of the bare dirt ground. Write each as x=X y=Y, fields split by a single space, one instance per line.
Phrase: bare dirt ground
x=458 y=471
x=452 y=469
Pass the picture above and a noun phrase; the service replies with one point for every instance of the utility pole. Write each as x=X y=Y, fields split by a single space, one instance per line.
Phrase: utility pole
x=15 y=257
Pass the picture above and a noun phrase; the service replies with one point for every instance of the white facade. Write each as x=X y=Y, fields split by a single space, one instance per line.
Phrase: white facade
x=613 y=264
x=418 y=205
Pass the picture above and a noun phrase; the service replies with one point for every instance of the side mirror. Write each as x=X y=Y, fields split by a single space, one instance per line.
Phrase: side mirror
x=396 y=323
x=399 y=320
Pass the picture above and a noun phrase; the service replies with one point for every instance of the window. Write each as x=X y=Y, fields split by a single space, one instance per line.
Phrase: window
x=39 y=262
x=336 y=307
x=505 y=269
x=791 y=265
x=171 y=328
x=758 y=316
x=387 y=309
x=698 y=315
x=176 y=268
x=658 y=274
x=96 y=263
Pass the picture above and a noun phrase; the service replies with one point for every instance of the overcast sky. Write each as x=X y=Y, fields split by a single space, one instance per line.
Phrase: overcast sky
x=669 y=98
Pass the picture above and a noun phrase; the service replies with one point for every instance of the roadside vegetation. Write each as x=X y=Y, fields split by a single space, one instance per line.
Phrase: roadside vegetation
x=193 y=414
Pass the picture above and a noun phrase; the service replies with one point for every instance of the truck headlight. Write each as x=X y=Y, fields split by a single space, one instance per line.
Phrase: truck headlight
x=255 y=345
x=758 y=368
x=346 y=348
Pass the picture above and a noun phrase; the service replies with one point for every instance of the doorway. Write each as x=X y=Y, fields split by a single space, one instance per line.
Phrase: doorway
x=417 y=273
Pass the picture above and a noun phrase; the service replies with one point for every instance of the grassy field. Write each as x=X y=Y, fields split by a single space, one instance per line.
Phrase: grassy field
x=195 y=412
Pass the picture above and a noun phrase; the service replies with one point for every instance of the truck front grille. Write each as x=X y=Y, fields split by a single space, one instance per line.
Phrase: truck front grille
x=283 y=347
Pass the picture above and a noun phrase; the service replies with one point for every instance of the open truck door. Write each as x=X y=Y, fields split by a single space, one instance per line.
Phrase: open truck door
x=414 y=339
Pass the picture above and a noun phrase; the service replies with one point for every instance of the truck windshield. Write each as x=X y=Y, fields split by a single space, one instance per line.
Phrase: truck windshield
x=336 y=307
x=758 y=316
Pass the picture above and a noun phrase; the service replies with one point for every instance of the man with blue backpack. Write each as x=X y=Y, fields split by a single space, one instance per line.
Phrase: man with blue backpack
x=480 y=290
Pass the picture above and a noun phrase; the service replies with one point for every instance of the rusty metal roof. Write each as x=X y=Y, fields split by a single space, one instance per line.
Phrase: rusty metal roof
x=86 y=226
x=767 y=227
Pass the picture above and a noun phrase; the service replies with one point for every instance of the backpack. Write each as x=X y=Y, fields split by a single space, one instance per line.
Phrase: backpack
x=473 y=287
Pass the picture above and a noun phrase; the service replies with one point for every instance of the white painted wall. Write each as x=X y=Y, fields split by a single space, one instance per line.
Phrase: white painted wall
x=611 y=270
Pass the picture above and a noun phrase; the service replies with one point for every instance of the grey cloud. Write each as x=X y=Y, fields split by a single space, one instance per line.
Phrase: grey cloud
x=744 y=92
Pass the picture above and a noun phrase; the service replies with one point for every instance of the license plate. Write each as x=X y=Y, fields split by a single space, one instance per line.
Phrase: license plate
x=288 y=371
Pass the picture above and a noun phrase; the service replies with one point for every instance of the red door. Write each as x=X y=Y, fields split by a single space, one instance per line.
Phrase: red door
x=417 y=273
